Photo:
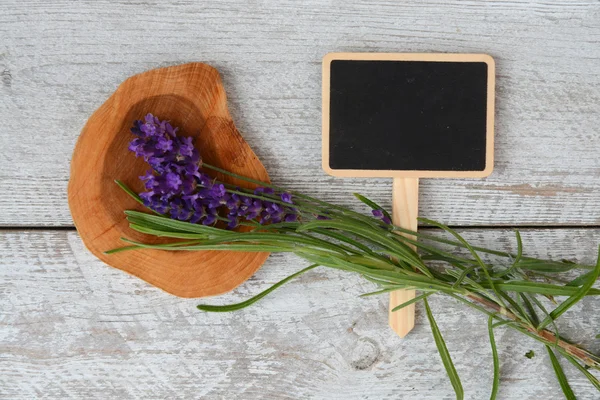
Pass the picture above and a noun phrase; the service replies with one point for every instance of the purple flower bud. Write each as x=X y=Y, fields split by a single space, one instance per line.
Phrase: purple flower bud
x=381 y=215
x=164 y=144
x=233 y=222
x=264 y=217
x=180 y=209
x=291 y=218
x=286 y=197
x=147 y=176
x=173 y=181
x=135 y=129
x=186 y=147
x=188 y=185
x=211 y=218
x=234 y=202
x=218 y=190
x=377 y=213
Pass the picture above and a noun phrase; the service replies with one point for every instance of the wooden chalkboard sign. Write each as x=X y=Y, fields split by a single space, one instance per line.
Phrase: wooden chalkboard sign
x=408 y=116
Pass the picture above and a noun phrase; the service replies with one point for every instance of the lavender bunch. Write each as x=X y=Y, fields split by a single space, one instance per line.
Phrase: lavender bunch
x=177 y=186
x=512 y=290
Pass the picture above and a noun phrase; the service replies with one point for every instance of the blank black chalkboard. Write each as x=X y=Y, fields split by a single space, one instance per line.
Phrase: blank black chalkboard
x=424 y=115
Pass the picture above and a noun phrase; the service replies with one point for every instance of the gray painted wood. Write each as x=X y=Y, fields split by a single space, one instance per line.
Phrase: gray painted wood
x=71 y=326
x=60 y=60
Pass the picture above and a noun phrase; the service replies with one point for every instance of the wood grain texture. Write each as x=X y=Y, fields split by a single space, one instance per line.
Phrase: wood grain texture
x=56 y=71
x=72 y=327
x=405 y=209
x=190 y=96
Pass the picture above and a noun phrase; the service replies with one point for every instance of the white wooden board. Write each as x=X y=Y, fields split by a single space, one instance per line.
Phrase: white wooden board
x=72 y=327
x=60 y=60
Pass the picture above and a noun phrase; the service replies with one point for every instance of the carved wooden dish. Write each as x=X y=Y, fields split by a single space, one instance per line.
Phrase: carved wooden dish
x=192 y=97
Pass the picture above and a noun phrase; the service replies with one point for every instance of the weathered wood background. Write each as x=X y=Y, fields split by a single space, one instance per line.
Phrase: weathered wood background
x=73 y=327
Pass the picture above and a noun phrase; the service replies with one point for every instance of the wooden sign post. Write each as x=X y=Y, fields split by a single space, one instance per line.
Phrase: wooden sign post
x=408 y=116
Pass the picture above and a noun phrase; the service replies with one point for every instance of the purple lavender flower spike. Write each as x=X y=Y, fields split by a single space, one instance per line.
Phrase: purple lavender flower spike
x=177 y=187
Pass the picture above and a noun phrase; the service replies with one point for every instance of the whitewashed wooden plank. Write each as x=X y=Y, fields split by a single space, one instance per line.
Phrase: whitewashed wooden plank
x=73 y=327
x=57 y=70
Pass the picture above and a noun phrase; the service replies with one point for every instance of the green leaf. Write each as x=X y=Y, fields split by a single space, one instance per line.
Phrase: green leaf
x=444 y=354
x=162 y=233
x=483 y=266
x=519 y=247
x=174 y=224
x=532 y=314
x=496 y=381
x=377 y=292
x=503 y=322
x=413 y=300
x=533 y=264
x=593 y=380
x=463 y=275
x=130 y=192
x=372 y=204
x=540 y=288
x=120 y=249
x=185 y=246
x=136 y=246
x=530 y=354
x=391 y=246
x=560 y=374
x=571 y=301
x=580 y=280
x=518 y=309
x=249 y=302
x=515 y=263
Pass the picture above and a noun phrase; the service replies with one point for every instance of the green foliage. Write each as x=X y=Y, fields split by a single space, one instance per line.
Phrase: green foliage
x=509 y=288
x=444 y=354
x=496 y=379
x=560 y=375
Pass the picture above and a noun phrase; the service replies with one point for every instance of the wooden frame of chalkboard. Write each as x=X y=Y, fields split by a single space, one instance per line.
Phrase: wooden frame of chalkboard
x=420 y=57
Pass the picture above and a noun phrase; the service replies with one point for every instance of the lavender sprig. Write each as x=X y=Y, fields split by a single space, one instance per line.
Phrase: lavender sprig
x=176 y=185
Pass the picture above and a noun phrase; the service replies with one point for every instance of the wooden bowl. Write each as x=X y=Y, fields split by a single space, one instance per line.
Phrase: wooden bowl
x=192 y=97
